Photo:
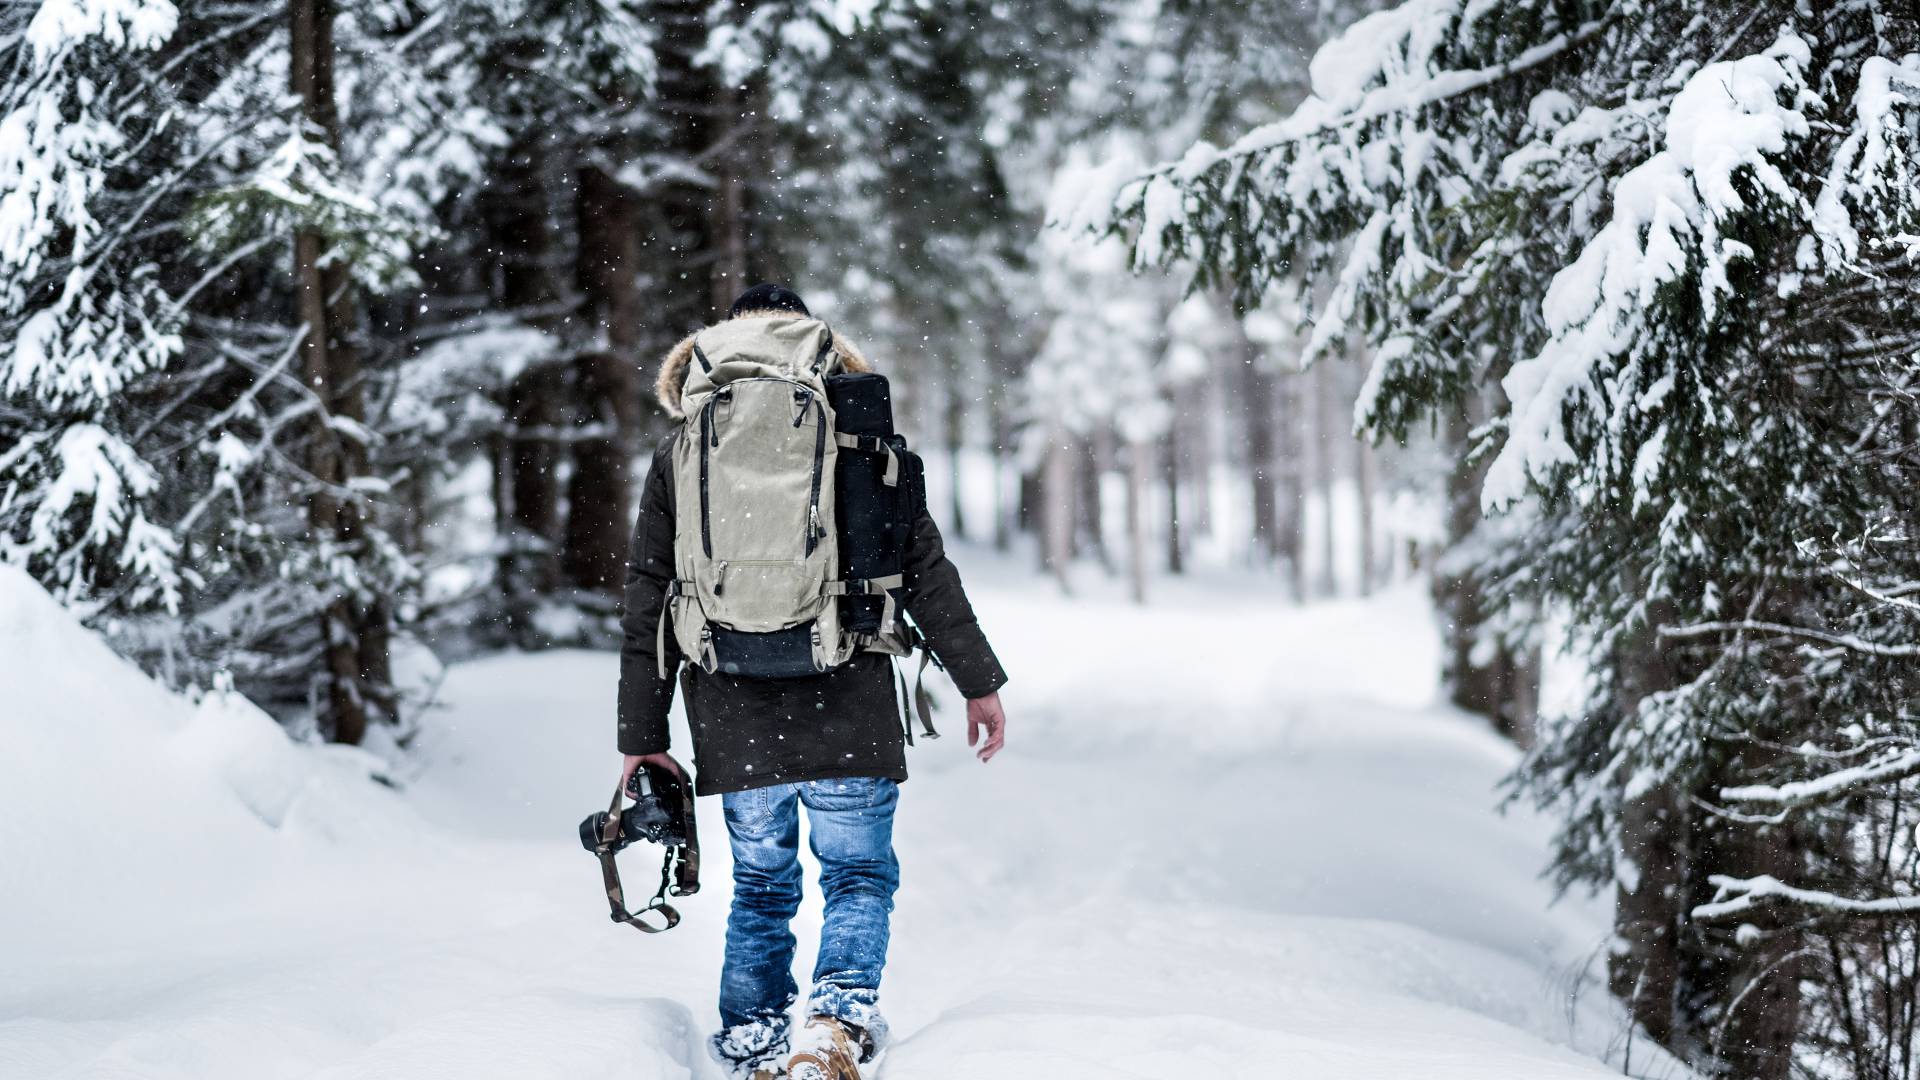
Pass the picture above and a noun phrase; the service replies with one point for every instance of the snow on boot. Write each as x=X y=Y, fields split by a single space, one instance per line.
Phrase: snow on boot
x=826 y=1049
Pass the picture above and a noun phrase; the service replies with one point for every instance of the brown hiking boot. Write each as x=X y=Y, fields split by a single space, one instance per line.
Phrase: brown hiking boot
x=826 y=1050
x=767 y=1073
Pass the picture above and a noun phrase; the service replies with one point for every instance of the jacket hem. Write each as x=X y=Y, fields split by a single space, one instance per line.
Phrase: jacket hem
x=705 y=786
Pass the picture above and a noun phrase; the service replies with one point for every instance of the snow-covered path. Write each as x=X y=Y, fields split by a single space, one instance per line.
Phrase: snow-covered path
x=1269 y=858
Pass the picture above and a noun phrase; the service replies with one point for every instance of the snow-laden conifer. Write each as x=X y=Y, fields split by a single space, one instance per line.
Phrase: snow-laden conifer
x=1681 y=239
x=82 y=314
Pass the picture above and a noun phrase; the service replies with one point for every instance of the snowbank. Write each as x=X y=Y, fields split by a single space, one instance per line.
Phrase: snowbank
x=122 y=803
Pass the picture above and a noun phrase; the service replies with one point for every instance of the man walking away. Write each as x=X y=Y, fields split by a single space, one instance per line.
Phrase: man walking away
x=831 y=741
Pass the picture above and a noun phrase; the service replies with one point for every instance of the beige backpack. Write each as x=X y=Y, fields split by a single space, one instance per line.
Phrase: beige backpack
x=757 y=561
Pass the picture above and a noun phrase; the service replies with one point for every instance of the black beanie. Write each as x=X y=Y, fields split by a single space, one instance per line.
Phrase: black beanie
x=769 y=297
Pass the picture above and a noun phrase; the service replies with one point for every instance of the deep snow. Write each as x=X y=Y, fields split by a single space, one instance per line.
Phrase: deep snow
x=1270 y=857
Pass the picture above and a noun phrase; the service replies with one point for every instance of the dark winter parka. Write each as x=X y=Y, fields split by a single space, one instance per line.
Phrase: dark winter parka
x=749 y=733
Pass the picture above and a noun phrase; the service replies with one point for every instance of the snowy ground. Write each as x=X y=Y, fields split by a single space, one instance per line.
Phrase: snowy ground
x=1268 y=857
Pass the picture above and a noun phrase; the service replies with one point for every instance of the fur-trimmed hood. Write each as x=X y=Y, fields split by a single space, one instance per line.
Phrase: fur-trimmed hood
x=672 y=379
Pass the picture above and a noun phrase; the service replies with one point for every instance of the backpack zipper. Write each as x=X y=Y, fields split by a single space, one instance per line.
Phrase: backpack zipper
x=706 y=504
x=814 y=531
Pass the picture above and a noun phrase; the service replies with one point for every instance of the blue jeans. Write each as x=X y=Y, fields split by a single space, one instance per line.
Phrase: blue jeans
x=851 y=833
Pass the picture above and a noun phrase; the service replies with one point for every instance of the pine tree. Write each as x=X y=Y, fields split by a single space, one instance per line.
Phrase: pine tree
x=1679 y=242
x=528 y=333
x=82 y=312
x=233 y=523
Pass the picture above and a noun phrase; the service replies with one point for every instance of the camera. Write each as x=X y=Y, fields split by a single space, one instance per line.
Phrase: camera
x=658 y=814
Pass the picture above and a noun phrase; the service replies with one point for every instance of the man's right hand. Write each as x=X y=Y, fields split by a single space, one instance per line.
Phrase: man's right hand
x=631 y=763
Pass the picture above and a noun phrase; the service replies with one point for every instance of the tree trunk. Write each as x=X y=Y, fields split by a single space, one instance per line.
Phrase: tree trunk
x=1650 y=894
x=1291 y=479
x=1326 y=434
x=1257 y=406
x=527 y=497
x=1057 y=509
x=593 y=543
x=599 y=491
x=518 y=214
x=1756 y=972
x=1365 y=469
x=1521 y=715
x=534 y=416
x=1753 y=971
x=1643 y=970
x=1200 y=405
x=1138 y=468
x=1004 y=515
x=1726 y=999
x=1030 y=514
x=1096 y=455
x=1453 y=592
x=695 y=230
x=728 y=211
x=1481 y=676
x=354 y=633
x=1170 y=464
x=956 y=430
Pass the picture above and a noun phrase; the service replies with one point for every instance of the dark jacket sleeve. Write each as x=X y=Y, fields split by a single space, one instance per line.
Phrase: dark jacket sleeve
x=940 y=608
x=645 y=697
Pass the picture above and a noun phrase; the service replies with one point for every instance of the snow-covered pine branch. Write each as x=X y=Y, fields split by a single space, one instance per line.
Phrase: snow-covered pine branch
x=1756 y=626
x=1743 y=898
x=1886 y=769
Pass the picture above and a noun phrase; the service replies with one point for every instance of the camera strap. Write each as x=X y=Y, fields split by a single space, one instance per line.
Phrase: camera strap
x=679 y=870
